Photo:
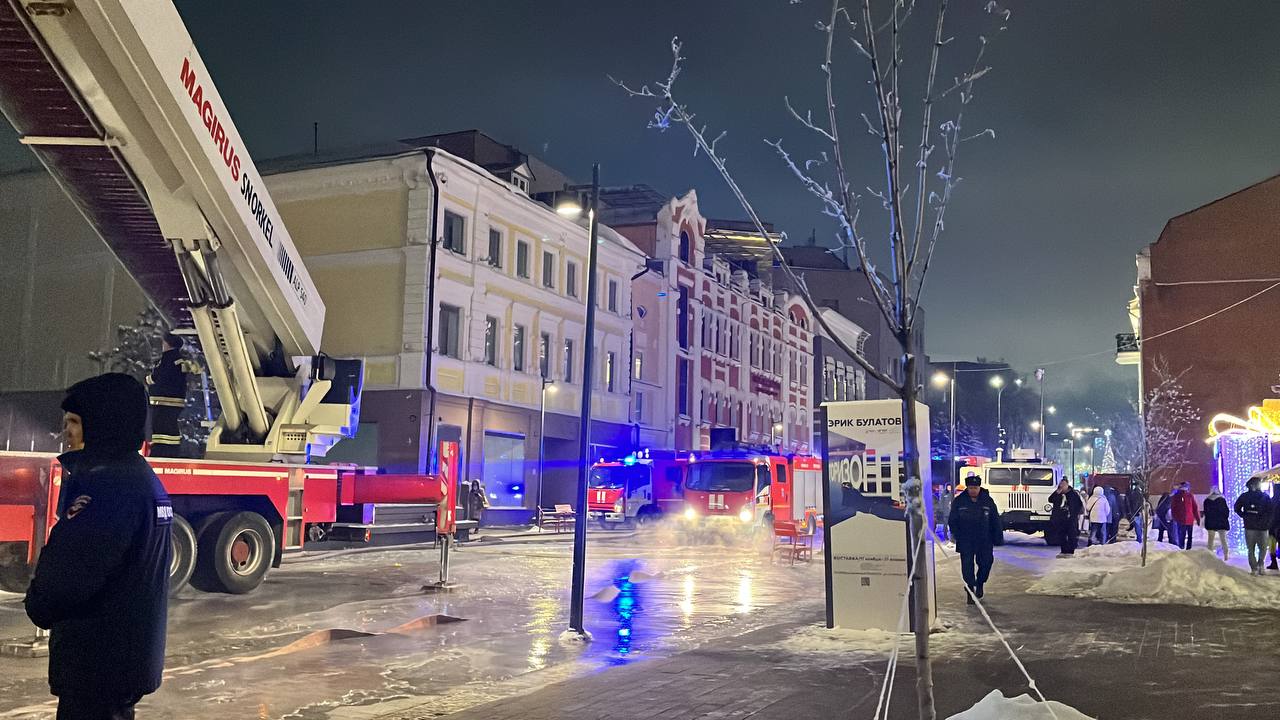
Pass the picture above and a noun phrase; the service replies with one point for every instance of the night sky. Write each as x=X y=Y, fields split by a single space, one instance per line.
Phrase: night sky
x=1110 y=117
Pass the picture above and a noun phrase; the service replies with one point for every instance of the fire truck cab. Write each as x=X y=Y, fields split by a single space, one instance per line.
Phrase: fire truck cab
x=642 y=487
x=1021 y=490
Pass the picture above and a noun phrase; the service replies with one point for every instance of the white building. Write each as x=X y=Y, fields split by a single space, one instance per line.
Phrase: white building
x=509 y=300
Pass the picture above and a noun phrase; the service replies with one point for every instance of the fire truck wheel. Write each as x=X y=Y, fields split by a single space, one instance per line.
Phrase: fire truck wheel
x=184 y=554
x=14 y=574
x=234 y=552
x=608 y=524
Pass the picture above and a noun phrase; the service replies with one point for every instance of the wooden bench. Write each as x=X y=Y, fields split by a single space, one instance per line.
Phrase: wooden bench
x=789 y=541
x=560 y=519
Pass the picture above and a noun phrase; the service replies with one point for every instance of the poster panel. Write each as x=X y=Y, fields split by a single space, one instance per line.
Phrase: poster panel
x=866 y=530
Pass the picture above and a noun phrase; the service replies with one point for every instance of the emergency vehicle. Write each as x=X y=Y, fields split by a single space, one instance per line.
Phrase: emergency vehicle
x=744 y=485
x=114 y=100
x=1020 y=488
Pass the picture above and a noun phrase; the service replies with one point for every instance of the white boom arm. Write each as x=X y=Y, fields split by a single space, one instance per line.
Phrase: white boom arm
x=132 y=65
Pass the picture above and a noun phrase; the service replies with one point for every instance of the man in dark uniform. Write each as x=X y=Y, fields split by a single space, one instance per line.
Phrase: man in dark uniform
x=101 y=585
x=168 y=386
x=975 y=526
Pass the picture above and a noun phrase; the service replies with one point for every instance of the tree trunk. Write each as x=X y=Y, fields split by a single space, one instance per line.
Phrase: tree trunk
x=921 y=597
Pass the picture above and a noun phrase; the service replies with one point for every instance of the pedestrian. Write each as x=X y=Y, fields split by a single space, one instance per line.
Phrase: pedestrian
x=1186 y=515
x=1275 y=533
x=942 y=511
x=975 y=527
x=101 y=585
x=1217 y=519
x=1137 y=501
x=479 y=501
x=1099 y=512
x=1118 y=510
x=1162 y=520
x=167 y=384
x=1064 y=520
x=1254 y=507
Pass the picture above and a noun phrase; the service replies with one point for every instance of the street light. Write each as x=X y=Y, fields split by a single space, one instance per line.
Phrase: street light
x=997 y=382
x=775 y=431
x=548 y=386
x=570 y=205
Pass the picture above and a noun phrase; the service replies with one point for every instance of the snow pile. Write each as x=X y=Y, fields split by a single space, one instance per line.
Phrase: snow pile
x=1125 y=550
x=995 y=706
x=1014 y=537
x=573 y=638
x=1193 y=577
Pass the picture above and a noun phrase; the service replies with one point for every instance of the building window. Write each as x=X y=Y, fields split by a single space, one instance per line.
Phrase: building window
x=682 y=389
x=613 y=295
x=682 y=318
x=767 y=353
x=684 y=246
x=544 y=356
x=491 y=341
x=706 y=330
x=755 y=350
x=548 y=270
x=455 y=233
x=640 y=407
x=495 y=248
x=522 y=259
x=609 y=383
x=450 y=331
x=503 y=469
x=637 y=366
x=571 y=279
x=517 y=348
x=568 y=361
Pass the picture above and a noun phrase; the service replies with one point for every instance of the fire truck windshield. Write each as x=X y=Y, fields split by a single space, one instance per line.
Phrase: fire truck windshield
x=612 y=477
x=1042 y=476
x=722 y=477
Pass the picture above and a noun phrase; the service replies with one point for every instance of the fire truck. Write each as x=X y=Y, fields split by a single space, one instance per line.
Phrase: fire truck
x=1020 y=488
x=114 y=100
x=748 y=486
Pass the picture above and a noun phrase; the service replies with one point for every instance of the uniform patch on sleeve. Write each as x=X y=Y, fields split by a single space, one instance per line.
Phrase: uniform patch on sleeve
x=80 y=503
x=164 y=512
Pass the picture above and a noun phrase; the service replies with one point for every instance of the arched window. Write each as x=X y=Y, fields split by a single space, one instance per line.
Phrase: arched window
x=685 y=249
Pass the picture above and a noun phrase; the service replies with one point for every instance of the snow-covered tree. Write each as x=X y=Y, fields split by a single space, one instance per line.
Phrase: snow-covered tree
x=138 y=347
x=914 y=189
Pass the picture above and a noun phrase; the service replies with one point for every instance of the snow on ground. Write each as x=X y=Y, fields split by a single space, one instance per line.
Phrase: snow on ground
x=995 y=706
x=1014 y=537
x=821 y=640
x=1192 y=577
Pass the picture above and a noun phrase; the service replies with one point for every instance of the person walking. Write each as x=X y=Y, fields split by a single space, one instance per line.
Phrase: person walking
x=942 y=511
x=975 y=527
x=1186 y=515
x=1217 y=520
x=101 y=585
x=167 y=384
x=1162 y=521
x=1137 y=502
x=1275 y=532
x=1254 y=507
x=1064 y=520
x=1099 y=512
x=1116 y=502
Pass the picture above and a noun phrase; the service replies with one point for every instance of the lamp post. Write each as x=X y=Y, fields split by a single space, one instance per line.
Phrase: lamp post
x=775 y=432
x=547 y=386
x=939 y=380
x=997 y=382
x=571 y=208
x=1040 y=380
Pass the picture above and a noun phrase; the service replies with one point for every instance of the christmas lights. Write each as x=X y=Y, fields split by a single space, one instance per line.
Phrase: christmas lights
x=1239 y=456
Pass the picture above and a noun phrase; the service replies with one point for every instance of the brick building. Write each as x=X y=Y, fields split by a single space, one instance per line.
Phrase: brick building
x=1204 y=262
x=714 y=344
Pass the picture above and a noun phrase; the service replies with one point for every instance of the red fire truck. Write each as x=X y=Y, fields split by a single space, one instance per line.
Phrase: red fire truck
x=115 y=102
x=748 y=486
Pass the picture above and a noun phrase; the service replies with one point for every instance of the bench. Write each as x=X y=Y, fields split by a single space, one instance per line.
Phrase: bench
x=560 y=518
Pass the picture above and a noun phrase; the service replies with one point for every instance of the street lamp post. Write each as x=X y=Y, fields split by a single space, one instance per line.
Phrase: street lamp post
x=997 y=382
x=939 y=379
x=584 y=427
x=547 y=386
x=1040 y=380
x=775 y=434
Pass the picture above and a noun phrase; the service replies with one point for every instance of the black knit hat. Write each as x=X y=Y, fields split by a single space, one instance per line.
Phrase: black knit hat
x=972 y=481
x=112 y=410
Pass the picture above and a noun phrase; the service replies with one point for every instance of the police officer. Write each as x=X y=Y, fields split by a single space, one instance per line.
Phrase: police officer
x=975 y=526
x=101 y=585
x=168 y=384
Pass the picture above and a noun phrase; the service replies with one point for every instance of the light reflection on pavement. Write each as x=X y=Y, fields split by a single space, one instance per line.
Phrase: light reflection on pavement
x=654 y=600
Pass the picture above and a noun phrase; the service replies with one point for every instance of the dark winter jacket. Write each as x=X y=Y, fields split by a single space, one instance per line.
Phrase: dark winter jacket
x=1184 y=509
x=1065 y=514
x=1217 y=516
x=1255 y=507
x=168 y=380
x=1275 y=518
x=1161 y=519
x=101 y=585
x=975 y=522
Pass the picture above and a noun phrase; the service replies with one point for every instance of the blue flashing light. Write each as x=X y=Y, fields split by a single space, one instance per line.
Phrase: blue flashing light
x=629 y=460
x=624 y=632
x=662 y=294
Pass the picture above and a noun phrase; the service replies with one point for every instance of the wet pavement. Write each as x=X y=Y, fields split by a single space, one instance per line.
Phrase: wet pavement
x=350 y=634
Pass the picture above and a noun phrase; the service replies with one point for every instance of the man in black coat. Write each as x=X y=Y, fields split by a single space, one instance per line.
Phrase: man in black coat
x=1254 y=507
x=1064 y=520
x=975 y=526
x=168 y=385
x=101 y=585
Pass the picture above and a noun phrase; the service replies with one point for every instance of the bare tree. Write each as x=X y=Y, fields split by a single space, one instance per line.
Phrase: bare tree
x=1156 y=445
x=914 y=212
